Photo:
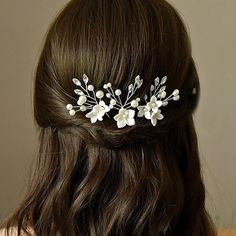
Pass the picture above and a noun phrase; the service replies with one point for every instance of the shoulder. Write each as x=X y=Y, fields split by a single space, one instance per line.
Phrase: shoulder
x=12 y=232
x=227 y=232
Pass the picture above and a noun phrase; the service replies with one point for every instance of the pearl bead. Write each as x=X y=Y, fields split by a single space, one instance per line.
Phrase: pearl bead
x=83 y=108
x=108 y=95
x=138 y=99
x=118 y=92
x=176 y=92
x=69 y=106
x=99 y=94
x=90 y=87
x=108 y=84
x=113 y=102
x=176 y=98
x=134 y=103
x=105 y=86
x=82 y=100
x=165 y=103
x=72 y=112
x=163 y=94
x=111 y=106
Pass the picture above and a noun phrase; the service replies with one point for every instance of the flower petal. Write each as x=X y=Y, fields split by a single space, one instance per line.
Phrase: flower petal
x=121 y=123
x=154 y=121
x=107 y=108
x=100 y=118
x=140 y=113
x=89 y=115
x=153 y=99
x=118 y=117
x=159 y=103
x=155 y=109
x=102 y=103
x=100 y=115
x=93 y=119
x=130 y=121
x=160 y=116
x=149 y=106
x=147 y=115
x=131 y=113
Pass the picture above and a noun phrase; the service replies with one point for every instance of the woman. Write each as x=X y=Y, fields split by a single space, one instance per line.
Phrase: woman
x=103 y=169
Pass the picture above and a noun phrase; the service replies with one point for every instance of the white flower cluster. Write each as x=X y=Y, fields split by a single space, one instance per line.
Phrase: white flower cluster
x=89 y=100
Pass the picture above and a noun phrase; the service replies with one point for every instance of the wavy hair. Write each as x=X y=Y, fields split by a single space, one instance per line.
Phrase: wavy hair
x=95 y=179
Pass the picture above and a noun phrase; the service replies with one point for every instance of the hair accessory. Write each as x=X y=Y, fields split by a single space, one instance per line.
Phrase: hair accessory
x=92 y=100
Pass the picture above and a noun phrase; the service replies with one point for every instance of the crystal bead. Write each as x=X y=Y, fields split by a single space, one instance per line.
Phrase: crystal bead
x=76 y=82
x=85 y=78
x=78 y=92
x=157 y=80
x=163 y=80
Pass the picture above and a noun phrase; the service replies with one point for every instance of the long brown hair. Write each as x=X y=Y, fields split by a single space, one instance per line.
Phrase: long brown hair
x=96 y=179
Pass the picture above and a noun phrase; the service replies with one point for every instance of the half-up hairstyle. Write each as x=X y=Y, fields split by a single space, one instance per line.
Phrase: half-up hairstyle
x=96 y=179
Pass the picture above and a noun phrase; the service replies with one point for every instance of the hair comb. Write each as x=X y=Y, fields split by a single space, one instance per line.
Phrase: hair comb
x=92 y=101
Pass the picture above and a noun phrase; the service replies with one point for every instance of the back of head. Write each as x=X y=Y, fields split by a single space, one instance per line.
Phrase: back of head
x=96 y=179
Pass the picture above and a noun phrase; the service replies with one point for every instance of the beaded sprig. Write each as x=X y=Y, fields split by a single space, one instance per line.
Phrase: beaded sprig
x=91 y=100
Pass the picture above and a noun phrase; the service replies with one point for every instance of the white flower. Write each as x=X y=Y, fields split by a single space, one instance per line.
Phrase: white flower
x=98 y=112
x=141 y=111
x=152 y=107
x=154 y=104
x=156 y=116
x=125 y=117
x=151 y=110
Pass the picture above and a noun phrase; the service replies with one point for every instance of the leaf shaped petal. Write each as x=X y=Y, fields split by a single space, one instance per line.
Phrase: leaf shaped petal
x=154 y=121
x=121 y=123
x=79 y=92
x=76 y=82
x=85 y=78
x=131 y=121
x=163 y=80
x=157 y=80
x=162 y=88
x=131 y=113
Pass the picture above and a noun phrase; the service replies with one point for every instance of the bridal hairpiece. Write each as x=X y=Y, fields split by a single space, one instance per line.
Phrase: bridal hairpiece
x=92 y=101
